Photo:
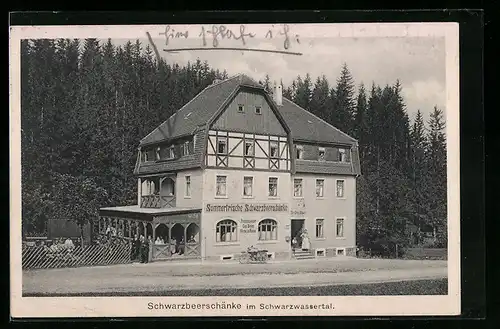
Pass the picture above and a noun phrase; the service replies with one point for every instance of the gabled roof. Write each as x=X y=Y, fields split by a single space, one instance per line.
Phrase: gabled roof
x=304 y=125
x=195 y=113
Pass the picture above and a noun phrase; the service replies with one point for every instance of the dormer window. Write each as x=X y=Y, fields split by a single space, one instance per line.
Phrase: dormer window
x=299 y=151
x=342 y=155
x=273 y=149
x=149 y=155
x=222 y=145
x=321 y=155
x=241 y=108
x=258 y=110
x=171 y=153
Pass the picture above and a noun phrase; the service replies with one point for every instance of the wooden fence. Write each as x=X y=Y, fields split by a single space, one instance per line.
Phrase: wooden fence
x=60 y=256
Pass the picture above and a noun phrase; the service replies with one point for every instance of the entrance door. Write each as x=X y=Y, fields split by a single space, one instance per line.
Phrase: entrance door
x=297 y=225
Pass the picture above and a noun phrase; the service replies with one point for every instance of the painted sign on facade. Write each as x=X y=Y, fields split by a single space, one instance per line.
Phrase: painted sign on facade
x=248 y=226
x=247 y=207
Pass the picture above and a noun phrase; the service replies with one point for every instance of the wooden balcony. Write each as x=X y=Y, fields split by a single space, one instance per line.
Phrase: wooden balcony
x=157 y=201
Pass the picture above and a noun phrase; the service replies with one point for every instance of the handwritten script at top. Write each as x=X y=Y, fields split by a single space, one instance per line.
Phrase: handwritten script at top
x=216 y=35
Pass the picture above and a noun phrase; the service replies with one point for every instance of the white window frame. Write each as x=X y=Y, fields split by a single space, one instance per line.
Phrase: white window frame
x=220 y=196
x=320 y=250
x=316 y=188
x=218 y=237
x=242 y=107
x=277 y=188
x=259 y=112
x=187 y=182
x=342 y=155
x=259 y=234
x=277 y=143
x=301 y=188
x=322 y=237
x=343 y=228
x=249 y=141
x=248 y=196
x=224 y=139
x=186 y=148
x=337 y=252
x=321 y=149
x=171 y=152
x=157 y=153
x=301 y=149
x=343 y=189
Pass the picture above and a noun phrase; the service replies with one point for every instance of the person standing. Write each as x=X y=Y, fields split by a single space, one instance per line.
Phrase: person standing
x=306 y=243
x=135 y=248
x=144 y=249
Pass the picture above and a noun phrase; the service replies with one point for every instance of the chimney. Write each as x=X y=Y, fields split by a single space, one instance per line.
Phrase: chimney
x=278 y=94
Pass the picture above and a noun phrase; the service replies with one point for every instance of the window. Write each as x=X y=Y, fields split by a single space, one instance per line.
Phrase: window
x=188 y=186
x=319 y=228
x=342 y=157
x=222 y=145
x=268 y=230
x=320 y=188
x=226 y=231
x=273 y=149
x=340 y=188
x=339 y=232
x=273 y=186
x=299 y=151
x=258 y=110
x=297 y=187
x=220 y=188
x=249 y=148
x=340 y=252
x=241 y=108
x=321 y=155
x=247 y=186
x=149 y=155
x=158 y=153
x=186 y=148
x=171 y=153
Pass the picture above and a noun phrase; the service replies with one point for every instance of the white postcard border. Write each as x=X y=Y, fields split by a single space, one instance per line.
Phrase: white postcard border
x=43 y=307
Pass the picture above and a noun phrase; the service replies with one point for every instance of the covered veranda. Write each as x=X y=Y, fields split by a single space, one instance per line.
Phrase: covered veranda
x=174 y=232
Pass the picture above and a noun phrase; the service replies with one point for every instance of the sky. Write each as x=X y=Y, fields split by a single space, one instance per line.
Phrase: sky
x=418 y=62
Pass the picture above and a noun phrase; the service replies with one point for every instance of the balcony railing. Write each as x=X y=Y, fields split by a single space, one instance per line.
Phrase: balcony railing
x=157 y=201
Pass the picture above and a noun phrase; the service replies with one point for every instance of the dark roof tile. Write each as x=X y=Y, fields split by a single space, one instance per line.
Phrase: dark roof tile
x=196 y=112
x=305 y=126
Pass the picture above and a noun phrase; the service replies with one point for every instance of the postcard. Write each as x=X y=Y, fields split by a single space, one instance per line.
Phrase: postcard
x=234 y=170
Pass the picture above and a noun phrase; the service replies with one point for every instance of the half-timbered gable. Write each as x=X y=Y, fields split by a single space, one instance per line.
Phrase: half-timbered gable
x=249 y=112
x=247 y=151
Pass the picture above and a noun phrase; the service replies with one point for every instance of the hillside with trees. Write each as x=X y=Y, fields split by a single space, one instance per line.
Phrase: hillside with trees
x=86 y=105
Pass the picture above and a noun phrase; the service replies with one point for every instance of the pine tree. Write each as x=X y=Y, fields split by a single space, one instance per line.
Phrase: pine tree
x=320 y=101
x=343 y=114
x=360 y=120
x=267 y=83
x=436 y=176
x=418 y=173
x=303 y=93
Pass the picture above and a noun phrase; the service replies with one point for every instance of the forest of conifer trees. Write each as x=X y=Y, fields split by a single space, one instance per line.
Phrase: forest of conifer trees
x=86 y=104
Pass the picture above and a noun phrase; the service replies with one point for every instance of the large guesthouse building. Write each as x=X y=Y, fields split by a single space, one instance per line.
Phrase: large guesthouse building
x=238 y=166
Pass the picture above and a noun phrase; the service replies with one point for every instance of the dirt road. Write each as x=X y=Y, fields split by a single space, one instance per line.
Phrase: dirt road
x=158 y=277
